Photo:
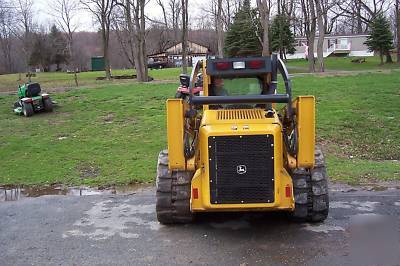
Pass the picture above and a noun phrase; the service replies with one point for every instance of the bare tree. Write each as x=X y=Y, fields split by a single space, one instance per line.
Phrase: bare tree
x=361 y=12
x=309 y=15
x=102 y=11
x=175 y=9
x=185 y=18
x=24 y=29
x=135 y=27
x=164 y=11
x=264 y=7
x=220 y=30
x=65 y=12
x=397 y=6
x=321 y=35
x=167 y=33
x=6 y=35
x=228 y=9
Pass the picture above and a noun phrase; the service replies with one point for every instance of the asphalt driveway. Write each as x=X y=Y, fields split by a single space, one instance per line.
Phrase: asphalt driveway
x=362 y=229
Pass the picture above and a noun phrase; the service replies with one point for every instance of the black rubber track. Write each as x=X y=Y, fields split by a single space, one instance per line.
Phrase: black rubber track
x=311 y=192
x=173 y=193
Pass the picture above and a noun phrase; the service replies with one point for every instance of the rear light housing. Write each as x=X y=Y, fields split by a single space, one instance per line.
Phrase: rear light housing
x=288 y=191
x=239 y=65
x=223 y=65
x=255 y=64
x=195 y=193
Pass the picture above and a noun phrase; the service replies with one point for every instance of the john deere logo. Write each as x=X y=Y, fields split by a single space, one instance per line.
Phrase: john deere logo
x=241 y=169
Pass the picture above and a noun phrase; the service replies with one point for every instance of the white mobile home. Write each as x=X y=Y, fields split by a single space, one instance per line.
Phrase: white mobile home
x=334 y=45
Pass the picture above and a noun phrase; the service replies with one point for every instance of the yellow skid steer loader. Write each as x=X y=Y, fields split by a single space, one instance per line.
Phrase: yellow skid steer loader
x=231 y=149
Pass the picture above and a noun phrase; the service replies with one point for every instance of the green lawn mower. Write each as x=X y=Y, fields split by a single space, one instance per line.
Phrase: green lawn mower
x=31 y=100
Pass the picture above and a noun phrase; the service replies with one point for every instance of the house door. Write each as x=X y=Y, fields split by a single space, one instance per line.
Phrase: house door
x=343 y=44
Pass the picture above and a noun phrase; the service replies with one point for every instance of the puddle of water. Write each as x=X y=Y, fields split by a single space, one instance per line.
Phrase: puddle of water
x=366 y=206
x=233 y=225
x=323 y=228
x=107 y=219
x=20 y=192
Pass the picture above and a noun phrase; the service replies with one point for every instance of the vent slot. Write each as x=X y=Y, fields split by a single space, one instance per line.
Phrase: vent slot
x=240 y=114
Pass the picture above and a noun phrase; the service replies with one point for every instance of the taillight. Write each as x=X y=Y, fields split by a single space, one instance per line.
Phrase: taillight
x=255 y=64
x=223 y=65
x=288 y=191
x=29 y=100
x=195 y=192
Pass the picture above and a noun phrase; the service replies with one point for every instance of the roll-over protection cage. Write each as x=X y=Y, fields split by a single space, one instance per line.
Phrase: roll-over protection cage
x=250 y=67
x=246 y=67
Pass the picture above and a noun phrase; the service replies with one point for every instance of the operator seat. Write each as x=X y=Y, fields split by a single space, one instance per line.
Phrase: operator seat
x=33 y=90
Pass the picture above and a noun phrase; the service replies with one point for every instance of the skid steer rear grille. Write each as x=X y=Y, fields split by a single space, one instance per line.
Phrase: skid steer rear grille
x=241 y=169
x=240 y=114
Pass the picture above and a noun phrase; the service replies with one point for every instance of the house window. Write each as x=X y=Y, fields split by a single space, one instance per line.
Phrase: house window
x=331 y=42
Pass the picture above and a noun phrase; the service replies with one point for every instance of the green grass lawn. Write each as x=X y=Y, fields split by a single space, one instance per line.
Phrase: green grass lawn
x=9 y=83
x=112 y=134
x=341 y=64
x=61 y=80
x=357 y=123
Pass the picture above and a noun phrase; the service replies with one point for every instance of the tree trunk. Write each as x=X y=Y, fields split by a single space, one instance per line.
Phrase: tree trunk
x=389 y=57
x=138 y=61
x=105 y=38
x=278 y=3
x=358 y=17
x=321 y=36
x=107 y=66
x=264 y=17
x=220 y=30
x=398 y=29
x=142 y=44
x=381 y=56
x=311 y=37
x=71 y=54
x=184 y=36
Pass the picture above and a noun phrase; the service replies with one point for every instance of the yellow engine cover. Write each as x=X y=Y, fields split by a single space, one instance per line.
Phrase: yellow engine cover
x=240 y=125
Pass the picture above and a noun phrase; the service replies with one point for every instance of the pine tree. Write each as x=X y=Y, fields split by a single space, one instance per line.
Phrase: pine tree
x=241 y=38
x=381 y=37
x=282 y=38
x=58 y=44
x=41 y=52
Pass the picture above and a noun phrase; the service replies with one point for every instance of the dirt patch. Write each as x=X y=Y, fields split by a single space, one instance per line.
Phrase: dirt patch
x=341 y=150
x=62 y=136
x=59 y=89
x=88 y=171
x=342 y=73
x=374 y=185
x=108 y=118
x=58 y=118
x=130 y=121
x=74 y=98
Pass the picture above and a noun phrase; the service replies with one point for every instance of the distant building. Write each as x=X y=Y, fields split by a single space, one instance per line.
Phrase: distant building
x=97 y=63
x=334 y=45
x=173 y=54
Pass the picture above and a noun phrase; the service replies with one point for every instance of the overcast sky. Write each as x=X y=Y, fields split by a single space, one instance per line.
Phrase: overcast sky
x=85 y=18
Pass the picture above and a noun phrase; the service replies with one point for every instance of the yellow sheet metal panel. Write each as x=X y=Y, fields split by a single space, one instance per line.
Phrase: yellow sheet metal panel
x=175 y=124
x=201 y=180
x=305 y=115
